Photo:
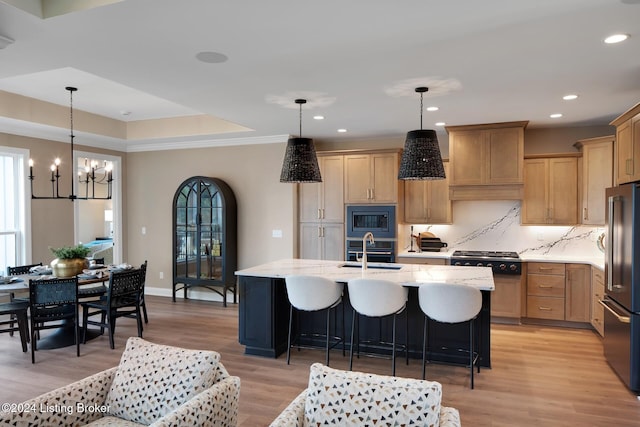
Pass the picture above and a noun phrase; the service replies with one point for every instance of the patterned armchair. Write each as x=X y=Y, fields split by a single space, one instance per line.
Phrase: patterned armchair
x=345 y=398
x=155 y=385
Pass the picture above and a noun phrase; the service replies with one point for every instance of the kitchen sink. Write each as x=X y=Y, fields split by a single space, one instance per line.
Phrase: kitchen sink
x=372 y=266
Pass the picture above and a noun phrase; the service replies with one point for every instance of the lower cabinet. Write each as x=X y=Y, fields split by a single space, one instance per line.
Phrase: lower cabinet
x=597 y=293
x=577 y=306
x=557 y=291
x=545 y=290
x=506 y=298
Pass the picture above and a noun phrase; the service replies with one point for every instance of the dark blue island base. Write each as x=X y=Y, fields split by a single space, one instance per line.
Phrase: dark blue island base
x=264 y=322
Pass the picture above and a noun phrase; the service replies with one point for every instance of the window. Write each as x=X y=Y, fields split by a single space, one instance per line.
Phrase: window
x=15 y=222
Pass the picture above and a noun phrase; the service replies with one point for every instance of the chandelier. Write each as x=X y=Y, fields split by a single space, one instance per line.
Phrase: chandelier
x=93 y=172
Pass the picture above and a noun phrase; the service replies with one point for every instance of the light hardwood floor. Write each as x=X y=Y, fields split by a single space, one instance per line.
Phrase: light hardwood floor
x=540 y=375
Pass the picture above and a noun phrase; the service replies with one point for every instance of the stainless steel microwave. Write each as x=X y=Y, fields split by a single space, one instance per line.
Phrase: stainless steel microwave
x=378 y=219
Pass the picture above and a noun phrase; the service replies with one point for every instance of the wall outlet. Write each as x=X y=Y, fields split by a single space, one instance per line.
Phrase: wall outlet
x=144 y=230
x=540 y=236
x=276 y=233
x=161 y=275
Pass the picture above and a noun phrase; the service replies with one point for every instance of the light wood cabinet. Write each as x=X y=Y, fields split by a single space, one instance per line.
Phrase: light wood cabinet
x=506 y=298
x=577 y=306
x=597 y=175
x=627 y=147
x=322 y=241
x=427 y=202
x=545 y=290
x=550 y=190
x=324 y=201
x=371 y=177
x=321 y=212
x=486 y=161
x=557 y=291
x=597 y=293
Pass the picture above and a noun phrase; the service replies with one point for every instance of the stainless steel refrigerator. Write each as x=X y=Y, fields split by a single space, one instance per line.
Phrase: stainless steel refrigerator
x=622 y=290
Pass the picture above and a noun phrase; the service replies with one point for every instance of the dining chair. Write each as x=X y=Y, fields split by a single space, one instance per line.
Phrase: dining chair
x=122 y=300
x=450 y=303
x=53 y=303
x=143 y=273
x=312 y=293
x=17 y=271
x=17 y=311
x=376 y=298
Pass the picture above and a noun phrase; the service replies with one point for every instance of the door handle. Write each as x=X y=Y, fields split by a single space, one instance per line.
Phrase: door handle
x=609 y=244
x=621 y=319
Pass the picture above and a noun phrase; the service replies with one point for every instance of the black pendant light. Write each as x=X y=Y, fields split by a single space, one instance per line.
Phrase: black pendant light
x=421 y=157
x=300 y=163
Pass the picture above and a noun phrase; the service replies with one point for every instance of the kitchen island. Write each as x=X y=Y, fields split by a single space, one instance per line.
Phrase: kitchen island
x=264 y=308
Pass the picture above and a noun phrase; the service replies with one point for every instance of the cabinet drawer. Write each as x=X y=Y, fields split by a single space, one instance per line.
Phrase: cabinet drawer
x=545 y=308
x=545 y=268
x=545 y=285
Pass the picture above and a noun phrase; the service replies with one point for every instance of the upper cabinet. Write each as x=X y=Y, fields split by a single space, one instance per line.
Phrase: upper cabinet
x=324 y=201
x=550 y=190
x=371 y=177
x=627 y=147
x=427 y=202
x=597 y=175
x=486 y=161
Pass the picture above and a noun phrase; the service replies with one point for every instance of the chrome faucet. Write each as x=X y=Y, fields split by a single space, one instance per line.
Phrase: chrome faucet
x=368 y=235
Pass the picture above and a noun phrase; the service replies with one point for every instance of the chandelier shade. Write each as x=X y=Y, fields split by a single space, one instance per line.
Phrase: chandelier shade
x=300 y=162
x=421 y=158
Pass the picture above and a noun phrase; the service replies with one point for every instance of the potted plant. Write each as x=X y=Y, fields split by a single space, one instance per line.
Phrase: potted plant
x=71 y=260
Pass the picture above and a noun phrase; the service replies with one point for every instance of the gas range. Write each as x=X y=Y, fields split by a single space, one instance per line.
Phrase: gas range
x=501 y=262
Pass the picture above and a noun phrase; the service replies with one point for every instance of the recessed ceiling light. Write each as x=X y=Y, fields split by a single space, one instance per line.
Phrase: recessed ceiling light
x=318 y=117
x=569 y=97
x=555 y=115
x=440 y=123
x=125 y=112
x=342 y=130
x=432 y=108
x=211 y=57
x=616 y=38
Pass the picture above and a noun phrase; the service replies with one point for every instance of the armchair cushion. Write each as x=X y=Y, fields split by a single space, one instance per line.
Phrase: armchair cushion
x=353 y=398
x=152 y=380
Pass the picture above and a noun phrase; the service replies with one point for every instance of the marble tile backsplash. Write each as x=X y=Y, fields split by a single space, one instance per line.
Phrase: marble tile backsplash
x=495 y=226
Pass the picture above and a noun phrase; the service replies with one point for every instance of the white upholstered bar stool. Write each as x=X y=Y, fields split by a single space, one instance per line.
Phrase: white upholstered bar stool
x=450 y=303
x=376 y=298
x=311 y=293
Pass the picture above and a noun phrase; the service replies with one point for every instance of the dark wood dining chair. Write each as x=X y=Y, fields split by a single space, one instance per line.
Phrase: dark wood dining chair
x=122 y=300
x=53 y=303
x=17 y=271
x=143 y=273
x=17 y=310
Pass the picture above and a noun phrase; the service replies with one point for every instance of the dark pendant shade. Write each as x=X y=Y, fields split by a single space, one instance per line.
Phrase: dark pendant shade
x=421 y=159
x=300 y=163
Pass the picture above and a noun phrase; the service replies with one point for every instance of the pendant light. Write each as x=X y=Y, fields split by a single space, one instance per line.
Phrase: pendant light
x=421 y=159
x=300 y=163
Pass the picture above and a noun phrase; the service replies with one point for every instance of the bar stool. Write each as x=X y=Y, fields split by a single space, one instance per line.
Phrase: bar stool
x=450 y=303
x=311 y=293
x=376 y=298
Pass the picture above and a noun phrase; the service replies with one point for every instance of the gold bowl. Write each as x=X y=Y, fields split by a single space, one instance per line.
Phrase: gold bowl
x=68 y=267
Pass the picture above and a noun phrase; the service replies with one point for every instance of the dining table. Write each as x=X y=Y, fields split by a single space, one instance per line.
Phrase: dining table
x=92 y=284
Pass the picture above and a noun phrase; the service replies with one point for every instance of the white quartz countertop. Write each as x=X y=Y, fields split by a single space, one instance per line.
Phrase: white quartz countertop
x=406 y=274
x=525 y=257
